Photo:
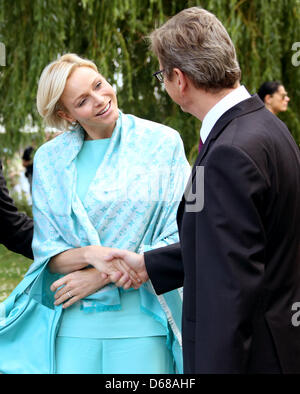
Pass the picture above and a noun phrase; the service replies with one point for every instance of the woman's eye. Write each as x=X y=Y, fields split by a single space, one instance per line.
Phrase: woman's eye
x=98 y=85
x=81 y=102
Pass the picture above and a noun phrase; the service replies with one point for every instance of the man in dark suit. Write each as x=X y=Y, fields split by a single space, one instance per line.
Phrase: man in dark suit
x=16 y=229
x=239 y=221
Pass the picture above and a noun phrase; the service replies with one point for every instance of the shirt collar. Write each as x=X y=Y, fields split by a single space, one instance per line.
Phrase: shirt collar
x=230 y=100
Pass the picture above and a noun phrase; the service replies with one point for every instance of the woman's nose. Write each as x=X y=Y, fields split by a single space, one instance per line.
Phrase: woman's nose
x=99 y=99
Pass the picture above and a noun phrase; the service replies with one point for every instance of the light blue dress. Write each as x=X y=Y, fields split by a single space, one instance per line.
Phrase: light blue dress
x=92 y=330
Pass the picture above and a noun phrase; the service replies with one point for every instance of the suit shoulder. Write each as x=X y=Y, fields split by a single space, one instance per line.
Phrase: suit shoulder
x=258 y=131
x=261 y=125
x=263 y=139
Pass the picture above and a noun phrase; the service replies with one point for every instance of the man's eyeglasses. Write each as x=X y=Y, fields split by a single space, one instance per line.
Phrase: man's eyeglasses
x=159 y=75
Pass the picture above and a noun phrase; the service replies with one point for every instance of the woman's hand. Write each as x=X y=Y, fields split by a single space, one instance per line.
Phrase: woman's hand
x=77 y=285
x=75 y=259
x=114 y=268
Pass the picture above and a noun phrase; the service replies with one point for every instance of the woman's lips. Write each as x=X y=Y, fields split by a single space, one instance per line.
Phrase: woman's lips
x=104 y=110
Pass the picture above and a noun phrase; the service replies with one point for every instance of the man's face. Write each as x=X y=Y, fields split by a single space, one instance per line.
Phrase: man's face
x=169 y=85
x=172 y=88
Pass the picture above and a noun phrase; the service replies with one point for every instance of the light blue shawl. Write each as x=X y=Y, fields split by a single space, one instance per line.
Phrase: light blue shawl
x=131 y=204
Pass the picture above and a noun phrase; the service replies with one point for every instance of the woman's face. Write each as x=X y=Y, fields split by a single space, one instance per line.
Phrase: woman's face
x=278 y=101
x=90 y=100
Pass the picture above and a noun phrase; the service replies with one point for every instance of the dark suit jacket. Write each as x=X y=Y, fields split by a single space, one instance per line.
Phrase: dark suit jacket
x=16 y=229
x=239 y=257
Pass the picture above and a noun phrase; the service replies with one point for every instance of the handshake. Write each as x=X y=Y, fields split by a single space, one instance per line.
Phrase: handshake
x=124 y=268
x=121 y=267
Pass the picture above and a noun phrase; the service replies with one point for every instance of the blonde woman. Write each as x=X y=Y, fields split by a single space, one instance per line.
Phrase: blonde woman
x=109 y=181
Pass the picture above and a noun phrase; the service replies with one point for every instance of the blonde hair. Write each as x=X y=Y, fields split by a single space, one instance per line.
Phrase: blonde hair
x=197 y=43
x=52 y=84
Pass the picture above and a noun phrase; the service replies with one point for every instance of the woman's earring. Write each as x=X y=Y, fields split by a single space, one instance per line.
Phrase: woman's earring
x=74 y=125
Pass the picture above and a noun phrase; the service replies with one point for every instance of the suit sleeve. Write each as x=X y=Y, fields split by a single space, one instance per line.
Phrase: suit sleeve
x=16 y=230
x=230 y=260
x=165 y=268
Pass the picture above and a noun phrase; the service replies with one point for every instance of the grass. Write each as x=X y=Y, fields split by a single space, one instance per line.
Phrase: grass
x=13 y=266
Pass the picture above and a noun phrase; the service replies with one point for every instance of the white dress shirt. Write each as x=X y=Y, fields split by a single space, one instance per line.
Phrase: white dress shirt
x=213 y=115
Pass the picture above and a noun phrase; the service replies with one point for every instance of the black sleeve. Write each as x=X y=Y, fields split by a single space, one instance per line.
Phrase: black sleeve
x=16 y=229
x=165 y=268
x=230 y=269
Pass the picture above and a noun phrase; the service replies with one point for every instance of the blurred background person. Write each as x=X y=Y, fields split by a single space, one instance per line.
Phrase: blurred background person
x=27 y=161
x=274 y=95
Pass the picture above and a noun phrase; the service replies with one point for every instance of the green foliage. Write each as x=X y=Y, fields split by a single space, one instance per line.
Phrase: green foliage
x=112 y=33
x=13 y=267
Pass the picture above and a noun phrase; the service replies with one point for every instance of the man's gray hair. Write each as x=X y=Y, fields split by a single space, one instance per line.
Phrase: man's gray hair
x=197 y=43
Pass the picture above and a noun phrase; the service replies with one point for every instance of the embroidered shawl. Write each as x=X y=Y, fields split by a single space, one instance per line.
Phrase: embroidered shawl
x=131 y=204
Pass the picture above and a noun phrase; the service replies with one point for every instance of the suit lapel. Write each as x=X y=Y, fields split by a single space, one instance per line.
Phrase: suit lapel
x=252 y=104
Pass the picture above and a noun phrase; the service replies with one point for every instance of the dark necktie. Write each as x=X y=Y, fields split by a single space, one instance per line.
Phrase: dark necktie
x=200 y=145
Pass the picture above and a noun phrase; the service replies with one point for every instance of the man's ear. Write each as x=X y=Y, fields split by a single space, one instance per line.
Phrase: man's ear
x=64 y=115
x=181 y=80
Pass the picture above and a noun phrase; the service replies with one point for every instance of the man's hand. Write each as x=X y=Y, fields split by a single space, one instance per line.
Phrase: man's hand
x=131 y=262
